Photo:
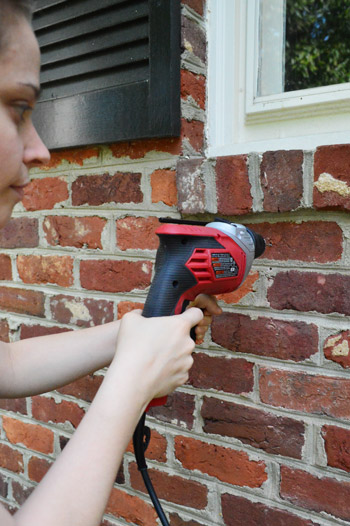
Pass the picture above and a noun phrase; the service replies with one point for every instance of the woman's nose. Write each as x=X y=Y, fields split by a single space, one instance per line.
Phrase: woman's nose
x=35 y=152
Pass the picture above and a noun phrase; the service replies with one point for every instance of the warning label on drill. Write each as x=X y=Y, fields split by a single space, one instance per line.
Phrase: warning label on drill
x=224 y=265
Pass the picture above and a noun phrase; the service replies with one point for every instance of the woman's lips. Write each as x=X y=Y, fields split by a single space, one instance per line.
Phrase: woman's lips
x=19 y=190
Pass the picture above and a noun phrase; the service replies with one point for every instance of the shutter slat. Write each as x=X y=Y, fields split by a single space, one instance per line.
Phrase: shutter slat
x=89 y=65
x=97 y=42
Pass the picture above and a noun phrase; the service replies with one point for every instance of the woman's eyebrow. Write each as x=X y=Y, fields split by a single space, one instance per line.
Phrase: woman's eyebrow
x=36 y=89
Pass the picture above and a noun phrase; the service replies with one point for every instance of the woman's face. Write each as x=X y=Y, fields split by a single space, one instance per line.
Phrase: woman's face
x=20 y=145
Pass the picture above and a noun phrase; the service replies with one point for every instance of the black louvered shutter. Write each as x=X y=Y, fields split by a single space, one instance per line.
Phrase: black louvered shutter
x=110 y=70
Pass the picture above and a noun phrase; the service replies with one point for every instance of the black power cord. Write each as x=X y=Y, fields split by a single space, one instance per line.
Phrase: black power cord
x=141 y=438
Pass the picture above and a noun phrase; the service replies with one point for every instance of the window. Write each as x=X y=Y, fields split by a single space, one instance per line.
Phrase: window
x=257 y=102
x=110 y=70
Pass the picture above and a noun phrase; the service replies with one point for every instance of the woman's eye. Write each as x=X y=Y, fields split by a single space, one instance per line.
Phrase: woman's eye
x=22 y=111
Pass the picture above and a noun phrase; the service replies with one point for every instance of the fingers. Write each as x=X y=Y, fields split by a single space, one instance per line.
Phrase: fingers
x=207 y=303
x=193 y=316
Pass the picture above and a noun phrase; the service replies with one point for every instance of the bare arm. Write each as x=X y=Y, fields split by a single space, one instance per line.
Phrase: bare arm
x=77 y=487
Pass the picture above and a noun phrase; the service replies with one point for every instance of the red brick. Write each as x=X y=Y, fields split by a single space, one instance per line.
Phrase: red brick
x=20 y=492
x=11 y=459
x=193 y=132
x=321 y=395
x=137 y=233
x=311 y=241
x=172 y=488
x=236 y=511
x=16 y=405
x=227 y=465
x=280 y=339
x=128 y=306
x=193 y=38
x=157 y=448
x=82 y=312
x=276 y=435
x=45 y=193
x=115 y=276
x=336 y=348
x=139 y=149
x=22 y=301
x=281 y=175
x=197 y=5
x=5 y=267
x=310 y=291
x=193 y=86
x=178 y=410
x=190 y=185
x=20 y=232
x=46 y=269
x=249 y=285
x=233 y=186
x=314 y=493
x=131 y=508
x=74 y=156
x=333 y=193
x=37 y=468
x=163 y=184
x=46 y=410
x=32 y=331
x=4 y=331
x=84 y=389
x=100 y=189
x=79 y=232
x=224 y=374
x=30 y=435
x=176 y=520
x=337 y=446
x=3 y=486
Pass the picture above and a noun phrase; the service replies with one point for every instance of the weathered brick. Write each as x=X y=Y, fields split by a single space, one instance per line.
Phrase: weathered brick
x=16 y=405
x=233 y=186
x=336 y=348
x=281 y=175
x=5 y=267
x=46 y=269
x=115 y=276
x=11 y=459
x=178 y=410
x=193 y=86
x=276 y=435
x=32 y=331
x=84 y=389
x=157 y=448
x=131 y=508
x=224 y=374
x=176 y=520
x=101 y=189
x=193 y=38
x=137 y=233
x=83 y=312
x=32 y=436
x=46 y=410
x=79 y=232
x=22 y=301
x=3 y=486
x=192 y=132
x=20 y=232
x=249 y=285
x=4 y=331
x=73 y=156
x=331 y=177
x=37 y=468
x=227 y=465
x=321 y=395
x=44 y=194
x=236 y=511
x=21 y=492
x=197 y=5
x=317 y=494
x=311 y=241
x=280 y=339
x=139 y=149
x=172 y=488
x=163 y=184
x=191 y=197
x=128 y=306
x=337 y=446
x=310 y=291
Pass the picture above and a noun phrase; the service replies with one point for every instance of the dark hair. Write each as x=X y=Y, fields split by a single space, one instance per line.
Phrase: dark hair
x=10 y=9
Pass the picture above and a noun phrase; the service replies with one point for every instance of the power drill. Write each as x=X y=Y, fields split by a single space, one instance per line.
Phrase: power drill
x=193 y=258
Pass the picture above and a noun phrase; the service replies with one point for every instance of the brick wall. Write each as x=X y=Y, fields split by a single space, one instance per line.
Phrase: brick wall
x=261 y=433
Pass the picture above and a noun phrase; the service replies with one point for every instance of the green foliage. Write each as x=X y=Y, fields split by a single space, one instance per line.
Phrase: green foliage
x=317 y=43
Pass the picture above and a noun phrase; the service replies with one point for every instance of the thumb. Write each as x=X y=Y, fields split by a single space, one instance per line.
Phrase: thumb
x=193 y=316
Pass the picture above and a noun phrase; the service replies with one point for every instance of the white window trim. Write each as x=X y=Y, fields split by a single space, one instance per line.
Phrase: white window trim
x=238 y=121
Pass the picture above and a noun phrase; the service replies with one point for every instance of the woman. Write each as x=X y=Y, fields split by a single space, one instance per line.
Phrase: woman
x=76 y=488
